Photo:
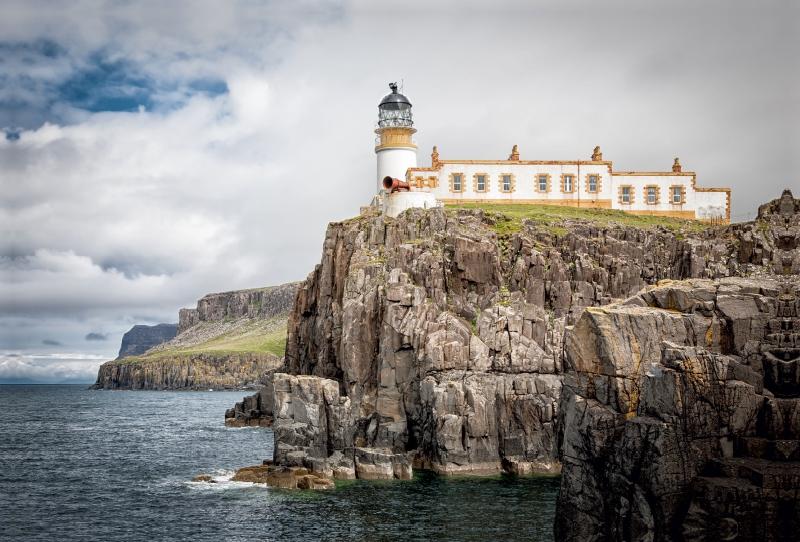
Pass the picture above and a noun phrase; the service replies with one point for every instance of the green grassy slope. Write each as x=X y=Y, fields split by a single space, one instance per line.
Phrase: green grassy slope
x=255 y=337
x=551 y=217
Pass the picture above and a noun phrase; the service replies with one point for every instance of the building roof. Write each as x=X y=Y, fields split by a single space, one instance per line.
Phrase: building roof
x=395 y=100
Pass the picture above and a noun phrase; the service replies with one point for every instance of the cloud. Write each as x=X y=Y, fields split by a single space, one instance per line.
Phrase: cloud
x=51 y=342
x=48 y=369
x=165 y=151
x=96 y=336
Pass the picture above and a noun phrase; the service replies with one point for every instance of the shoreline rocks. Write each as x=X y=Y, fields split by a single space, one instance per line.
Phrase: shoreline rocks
x=254 y=410
x=283 y=477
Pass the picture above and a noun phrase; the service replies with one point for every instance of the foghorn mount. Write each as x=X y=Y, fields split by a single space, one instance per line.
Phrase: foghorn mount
x=395 y=185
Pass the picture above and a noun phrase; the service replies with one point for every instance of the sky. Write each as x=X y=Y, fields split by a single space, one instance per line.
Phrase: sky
x=155 y=151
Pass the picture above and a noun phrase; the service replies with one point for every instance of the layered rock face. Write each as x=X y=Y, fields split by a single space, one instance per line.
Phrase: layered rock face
x=263 y=303
x=257 y=409
x=190 y=372
x=429 y=338
x=142 y=338
x=680 y=412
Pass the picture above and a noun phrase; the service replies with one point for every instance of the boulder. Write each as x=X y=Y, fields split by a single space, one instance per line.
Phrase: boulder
x=283 y=477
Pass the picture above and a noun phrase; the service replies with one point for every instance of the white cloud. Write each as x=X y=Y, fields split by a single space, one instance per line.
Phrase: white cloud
x=49 y=368
x=117 y=218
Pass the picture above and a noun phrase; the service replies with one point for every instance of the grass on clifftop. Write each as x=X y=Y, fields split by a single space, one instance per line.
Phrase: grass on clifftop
x=551 y=216
x=260 y=337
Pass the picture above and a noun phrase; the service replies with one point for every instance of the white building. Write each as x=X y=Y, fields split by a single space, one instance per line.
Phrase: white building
x=578 y=183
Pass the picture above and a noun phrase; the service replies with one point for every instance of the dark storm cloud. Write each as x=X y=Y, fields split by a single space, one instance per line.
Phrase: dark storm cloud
x=168 y=150
x=96 y=337
x=51 y=342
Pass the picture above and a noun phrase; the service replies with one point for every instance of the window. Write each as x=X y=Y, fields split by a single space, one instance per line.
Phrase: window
x=506 y=182
x=481 y=183
x=651 y=194
x=543 y=183
x=626 y=194
x=592 y=183
x=457 y=182
x=677 y=194
x=568 y=183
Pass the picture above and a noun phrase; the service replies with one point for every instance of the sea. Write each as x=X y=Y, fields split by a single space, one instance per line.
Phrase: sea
x=118 y=465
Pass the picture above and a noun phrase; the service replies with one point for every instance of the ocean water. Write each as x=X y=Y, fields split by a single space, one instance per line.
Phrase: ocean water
x=117 y=465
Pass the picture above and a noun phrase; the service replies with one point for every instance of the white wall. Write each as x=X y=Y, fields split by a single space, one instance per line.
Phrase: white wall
x=526 y=181
x=394 y=162
x=703 y=204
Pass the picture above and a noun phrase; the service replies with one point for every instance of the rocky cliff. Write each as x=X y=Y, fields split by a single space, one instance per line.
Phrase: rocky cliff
x=188 y=372
x=232 y=340
x=258 y=303
x=436 y=337
x=680 y=410
x=142 y=338
x=467 y=341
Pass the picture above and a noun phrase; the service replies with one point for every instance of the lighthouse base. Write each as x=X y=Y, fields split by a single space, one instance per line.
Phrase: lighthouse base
x=396 y=203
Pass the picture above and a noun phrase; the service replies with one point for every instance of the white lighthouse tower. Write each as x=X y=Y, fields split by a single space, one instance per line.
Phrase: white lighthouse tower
x=397 y=152
x=395 y=147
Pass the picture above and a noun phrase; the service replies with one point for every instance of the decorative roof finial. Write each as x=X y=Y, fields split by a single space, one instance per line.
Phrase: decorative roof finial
x=435 y=157
x=597 y=156
x=676 y=167
x=393 y=86
x=514 y=154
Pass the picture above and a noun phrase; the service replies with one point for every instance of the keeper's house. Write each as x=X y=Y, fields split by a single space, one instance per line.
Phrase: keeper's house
x=577 y=183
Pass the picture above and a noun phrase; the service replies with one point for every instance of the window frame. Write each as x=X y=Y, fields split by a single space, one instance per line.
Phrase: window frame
x=598 y=183
x=572 y=177
x=672 y=194
x=486 y=183
x=513 y=184
x=631 y=194
x=547 y=183
x=452 y=177
x=656 y=194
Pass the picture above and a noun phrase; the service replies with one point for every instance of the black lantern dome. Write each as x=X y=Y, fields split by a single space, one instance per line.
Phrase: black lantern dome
x=394 y=110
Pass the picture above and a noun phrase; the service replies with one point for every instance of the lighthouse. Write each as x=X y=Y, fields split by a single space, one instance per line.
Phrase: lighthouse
x=395 y=147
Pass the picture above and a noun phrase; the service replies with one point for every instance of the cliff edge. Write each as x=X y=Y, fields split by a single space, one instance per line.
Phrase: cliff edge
x=232 y=340
x=142 y=338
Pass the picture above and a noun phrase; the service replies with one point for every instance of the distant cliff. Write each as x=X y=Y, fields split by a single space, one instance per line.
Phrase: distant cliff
x=230 y=341
x=142 y=338
x=188 y=372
